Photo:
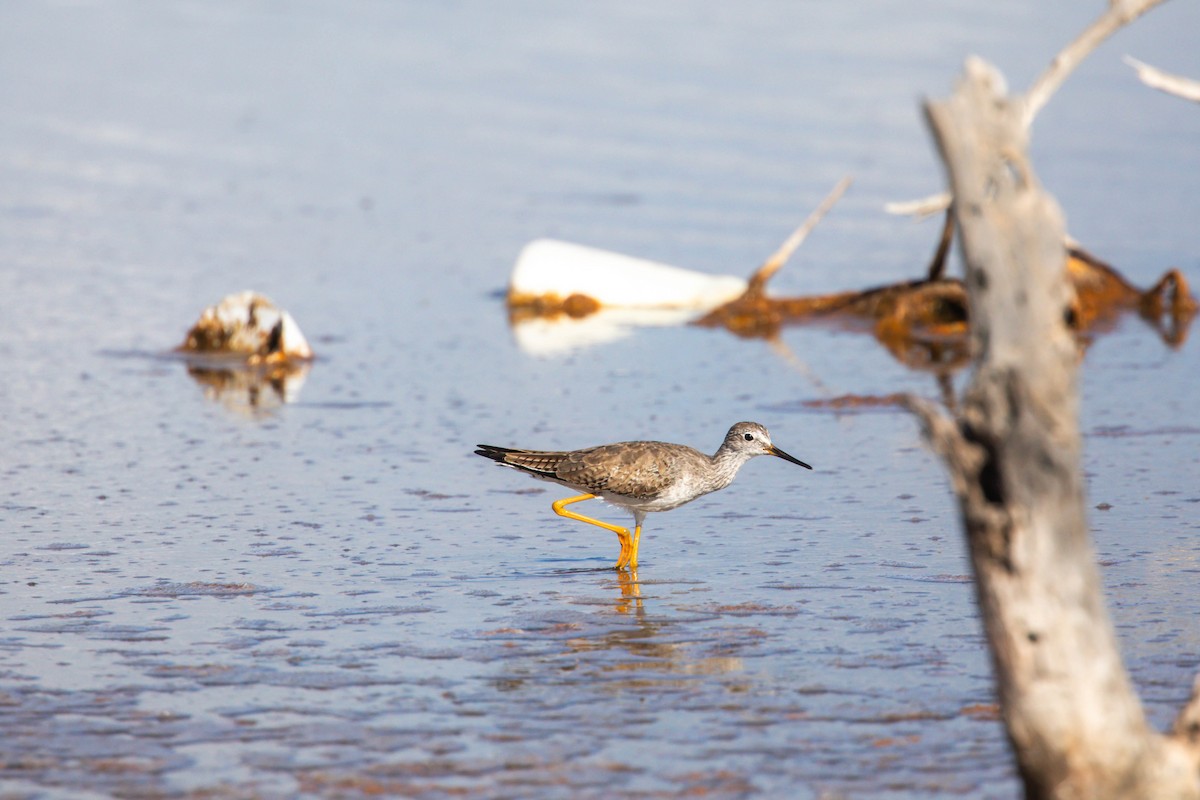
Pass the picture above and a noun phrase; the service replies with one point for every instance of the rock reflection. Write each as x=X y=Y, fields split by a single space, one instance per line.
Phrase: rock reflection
x=249 y=390
x=248 y=354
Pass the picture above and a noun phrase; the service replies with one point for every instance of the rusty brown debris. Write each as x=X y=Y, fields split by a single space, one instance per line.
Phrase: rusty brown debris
x=523 y=307
x=924 y=322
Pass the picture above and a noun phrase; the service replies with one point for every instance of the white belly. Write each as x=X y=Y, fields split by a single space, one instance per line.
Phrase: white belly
x=671 y=497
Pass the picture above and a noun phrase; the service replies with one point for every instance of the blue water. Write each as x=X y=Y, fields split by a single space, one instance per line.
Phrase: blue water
x=333 y=597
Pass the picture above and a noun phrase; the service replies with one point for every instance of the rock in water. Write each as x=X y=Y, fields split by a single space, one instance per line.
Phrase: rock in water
x=250 y=326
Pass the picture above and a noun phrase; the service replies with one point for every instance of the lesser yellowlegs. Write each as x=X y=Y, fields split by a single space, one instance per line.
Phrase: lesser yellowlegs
x=640 y=476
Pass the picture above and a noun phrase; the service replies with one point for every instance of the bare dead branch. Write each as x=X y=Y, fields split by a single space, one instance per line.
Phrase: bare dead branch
x=1119 y=14
x=1155 y=78
x=945 y=438
x=1013 y=452
x=780 y=256
x=937 y=264
x=924 y=207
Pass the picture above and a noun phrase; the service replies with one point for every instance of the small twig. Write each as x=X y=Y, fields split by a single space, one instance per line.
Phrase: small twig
x=924 y=207
x=780 y=257
x=937 y=266
x=937 y=427
x=1155 y=78
x=1119 y=14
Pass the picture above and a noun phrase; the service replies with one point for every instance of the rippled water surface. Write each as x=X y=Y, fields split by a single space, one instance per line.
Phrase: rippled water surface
x=208 y=593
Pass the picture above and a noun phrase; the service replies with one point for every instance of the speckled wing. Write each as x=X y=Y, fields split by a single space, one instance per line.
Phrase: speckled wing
x=639 y=470
x=631 y=469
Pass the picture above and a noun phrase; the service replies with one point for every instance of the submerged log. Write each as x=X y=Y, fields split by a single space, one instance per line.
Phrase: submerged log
x=927 y=320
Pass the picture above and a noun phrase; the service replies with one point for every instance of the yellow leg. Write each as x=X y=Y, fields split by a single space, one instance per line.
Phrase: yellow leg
x=637 y=539
x=628 y=545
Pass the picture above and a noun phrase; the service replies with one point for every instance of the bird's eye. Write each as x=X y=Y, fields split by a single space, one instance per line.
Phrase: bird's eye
x=749 y=437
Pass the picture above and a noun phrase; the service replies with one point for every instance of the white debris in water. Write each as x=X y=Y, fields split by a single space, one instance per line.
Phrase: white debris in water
x=551 y=268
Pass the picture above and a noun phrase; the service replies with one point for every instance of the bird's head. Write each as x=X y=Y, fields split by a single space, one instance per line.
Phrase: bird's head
x=751 y=439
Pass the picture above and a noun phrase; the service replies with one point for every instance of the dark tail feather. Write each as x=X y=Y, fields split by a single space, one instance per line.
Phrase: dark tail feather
x=491 y=451
x=536 y=462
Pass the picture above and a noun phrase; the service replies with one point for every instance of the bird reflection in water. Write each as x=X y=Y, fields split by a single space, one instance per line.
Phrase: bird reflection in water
x=631 y=593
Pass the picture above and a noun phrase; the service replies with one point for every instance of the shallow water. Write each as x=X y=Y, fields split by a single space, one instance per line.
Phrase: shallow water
x=332 y=597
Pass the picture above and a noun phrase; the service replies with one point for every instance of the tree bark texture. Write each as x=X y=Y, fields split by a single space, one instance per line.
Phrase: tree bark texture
x=1014 y=456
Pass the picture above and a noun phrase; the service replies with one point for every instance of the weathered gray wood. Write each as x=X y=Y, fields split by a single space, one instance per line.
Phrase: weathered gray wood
x=1013 y=453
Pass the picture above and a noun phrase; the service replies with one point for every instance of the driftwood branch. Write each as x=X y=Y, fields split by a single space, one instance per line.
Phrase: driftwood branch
x=921 y=208
x=1118 y=14
x=789 y=246
x=1013 y=452
x=1155 y=78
